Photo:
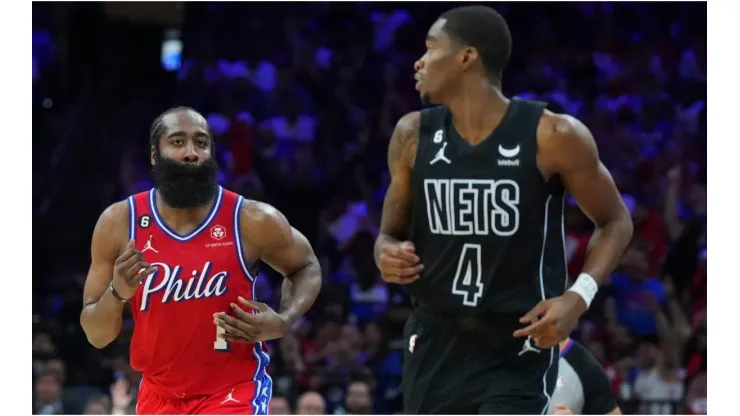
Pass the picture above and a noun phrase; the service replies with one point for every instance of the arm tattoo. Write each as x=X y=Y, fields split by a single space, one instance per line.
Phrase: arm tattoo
x=404 y=141
x=401 y=157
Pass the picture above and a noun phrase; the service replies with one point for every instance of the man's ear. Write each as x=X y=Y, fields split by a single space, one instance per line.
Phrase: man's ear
x=467 y=57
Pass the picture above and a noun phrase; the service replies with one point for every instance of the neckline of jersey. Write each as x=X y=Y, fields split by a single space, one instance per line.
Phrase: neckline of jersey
x=172 y=233
x=497 y=131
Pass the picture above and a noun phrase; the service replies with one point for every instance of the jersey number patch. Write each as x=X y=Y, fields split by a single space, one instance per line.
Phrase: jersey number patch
x=468 y=278
x=144 y=221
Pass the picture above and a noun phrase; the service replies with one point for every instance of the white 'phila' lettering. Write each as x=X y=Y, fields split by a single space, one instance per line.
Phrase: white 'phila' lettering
x=168 y=280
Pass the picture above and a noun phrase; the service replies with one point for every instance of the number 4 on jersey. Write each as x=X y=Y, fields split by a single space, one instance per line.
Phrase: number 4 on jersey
x=468 y=277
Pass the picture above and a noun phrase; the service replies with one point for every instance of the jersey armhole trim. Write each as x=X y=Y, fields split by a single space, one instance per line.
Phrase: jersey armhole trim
x=132 y=218
x=238 y=240
x=562 y=234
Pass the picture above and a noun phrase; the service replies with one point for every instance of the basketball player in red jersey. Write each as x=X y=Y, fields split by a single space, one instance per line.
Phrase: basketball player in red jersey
x=184 y=255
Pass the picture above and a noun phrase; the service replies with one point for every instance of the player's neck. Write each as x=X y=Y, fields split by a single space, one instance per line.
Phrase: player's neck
x=182 y=220
x=477 y=110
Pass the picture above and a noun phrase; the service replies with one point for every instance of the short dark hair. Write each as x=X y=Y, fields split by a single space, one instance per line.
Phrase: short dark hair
x=484 y=29
x=158 y=128
x=362 y=375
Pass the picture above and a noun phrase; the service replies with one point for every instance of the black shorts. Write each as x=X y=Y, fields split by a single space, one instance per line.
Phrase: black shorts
x=473 y=365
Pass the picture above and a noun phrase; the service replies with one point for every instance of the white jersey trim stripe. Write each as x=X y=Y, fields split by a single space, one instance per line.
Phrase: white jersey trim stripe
x=562 y=231
x=542 y=293
x=192 y=234
x=238 y=240
x=132 y=218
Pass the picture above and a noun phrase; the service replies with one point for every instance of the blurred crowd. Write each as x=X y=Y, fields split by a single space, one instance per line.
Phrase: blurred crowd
x=302 y=99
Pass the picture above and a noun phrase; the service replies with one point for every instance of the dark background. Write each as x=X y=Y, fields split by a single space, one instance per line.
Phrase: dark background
x=303 y=98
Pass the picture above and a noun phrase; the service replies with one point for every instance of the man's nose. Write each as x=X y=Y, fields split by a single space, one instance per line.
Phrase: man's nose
x=190 y=156
x=419 y=64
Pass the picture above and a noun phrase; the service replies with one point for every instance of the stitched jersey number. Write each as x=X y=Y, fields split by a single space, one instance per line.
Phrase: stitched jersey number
x=468 y=277
x=220 y=344
x=144 y=221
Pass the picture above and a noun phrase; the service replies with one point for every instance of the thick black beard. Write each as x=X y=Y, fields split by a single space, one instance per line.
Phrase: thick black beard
x=184 y=185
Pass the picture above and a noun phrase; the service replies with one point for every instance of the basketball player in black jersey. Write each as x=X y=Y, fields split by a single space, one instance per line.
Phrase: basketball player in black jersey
x=473 y=224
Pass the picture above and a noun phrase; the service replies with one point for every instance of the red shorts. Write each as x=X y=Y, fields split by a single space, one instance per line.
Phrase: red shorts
x=248 y=398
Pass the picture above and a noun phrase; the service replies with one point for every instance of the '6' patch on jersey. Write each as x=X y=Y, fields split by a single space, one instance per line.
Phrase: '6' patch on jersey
x=145 y=221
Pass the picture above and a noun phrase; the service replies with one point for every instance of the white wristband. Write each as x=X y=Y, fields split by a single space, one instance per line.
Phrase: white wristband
x=586 y=287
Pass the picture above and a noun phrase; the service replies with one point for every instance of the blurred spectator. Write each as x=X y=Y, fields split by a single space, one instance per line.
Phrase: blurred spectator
x=633 y=291
x=688 y=231
x=359 y=400
x=48 y=394
x=385 y=364
x=98 y=405
x=122 y=397
x=240 y=141
x=696 y=353
x=289 y=366
x=42 y=350
x=368 y=294
x=660 y=385
x=291 y=126
x=279 y=405
x=311 y=403
x=696 y=399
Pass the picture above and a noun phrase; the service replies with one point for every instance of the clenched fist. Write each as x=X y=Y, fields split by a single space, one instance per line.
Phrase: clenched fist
x=398 y=263
x=129 y=269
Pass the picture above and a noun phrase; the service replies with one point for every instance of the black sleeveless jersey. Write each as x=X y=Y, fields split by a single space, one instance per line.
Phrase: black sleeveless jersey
x=488 y=229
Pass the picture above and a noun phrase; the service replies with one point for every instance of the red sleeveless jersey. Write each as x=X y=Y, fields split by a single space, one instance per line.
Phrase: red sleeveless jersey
x=175 y=344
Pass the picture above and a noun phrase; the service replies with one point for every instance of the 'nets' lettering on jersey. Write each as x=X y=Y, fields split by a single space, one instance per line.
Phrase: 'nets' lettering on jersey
x=472 y=206
x=200 y=285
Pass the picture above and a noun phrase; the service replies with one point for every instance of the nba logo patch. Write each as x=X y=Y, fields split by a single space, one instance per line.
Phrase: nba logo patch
x=412 y=343
x=560 y=383
x=218 y=232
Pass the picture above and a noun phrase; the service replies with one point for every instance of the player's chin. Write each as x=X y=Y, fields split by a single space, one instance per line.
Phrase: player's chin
x=426 y=98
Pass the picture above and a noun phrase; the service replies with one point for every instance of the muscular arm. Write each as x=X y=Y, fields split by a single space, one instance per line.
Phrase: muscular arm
x=567 y=148
x=398 y=203
x=102 y=313
x=287 y=251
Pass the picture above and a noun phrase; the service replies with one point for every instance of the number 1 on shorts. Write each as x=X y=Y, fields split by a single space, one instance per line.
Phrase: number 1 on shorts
x=220 y=344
